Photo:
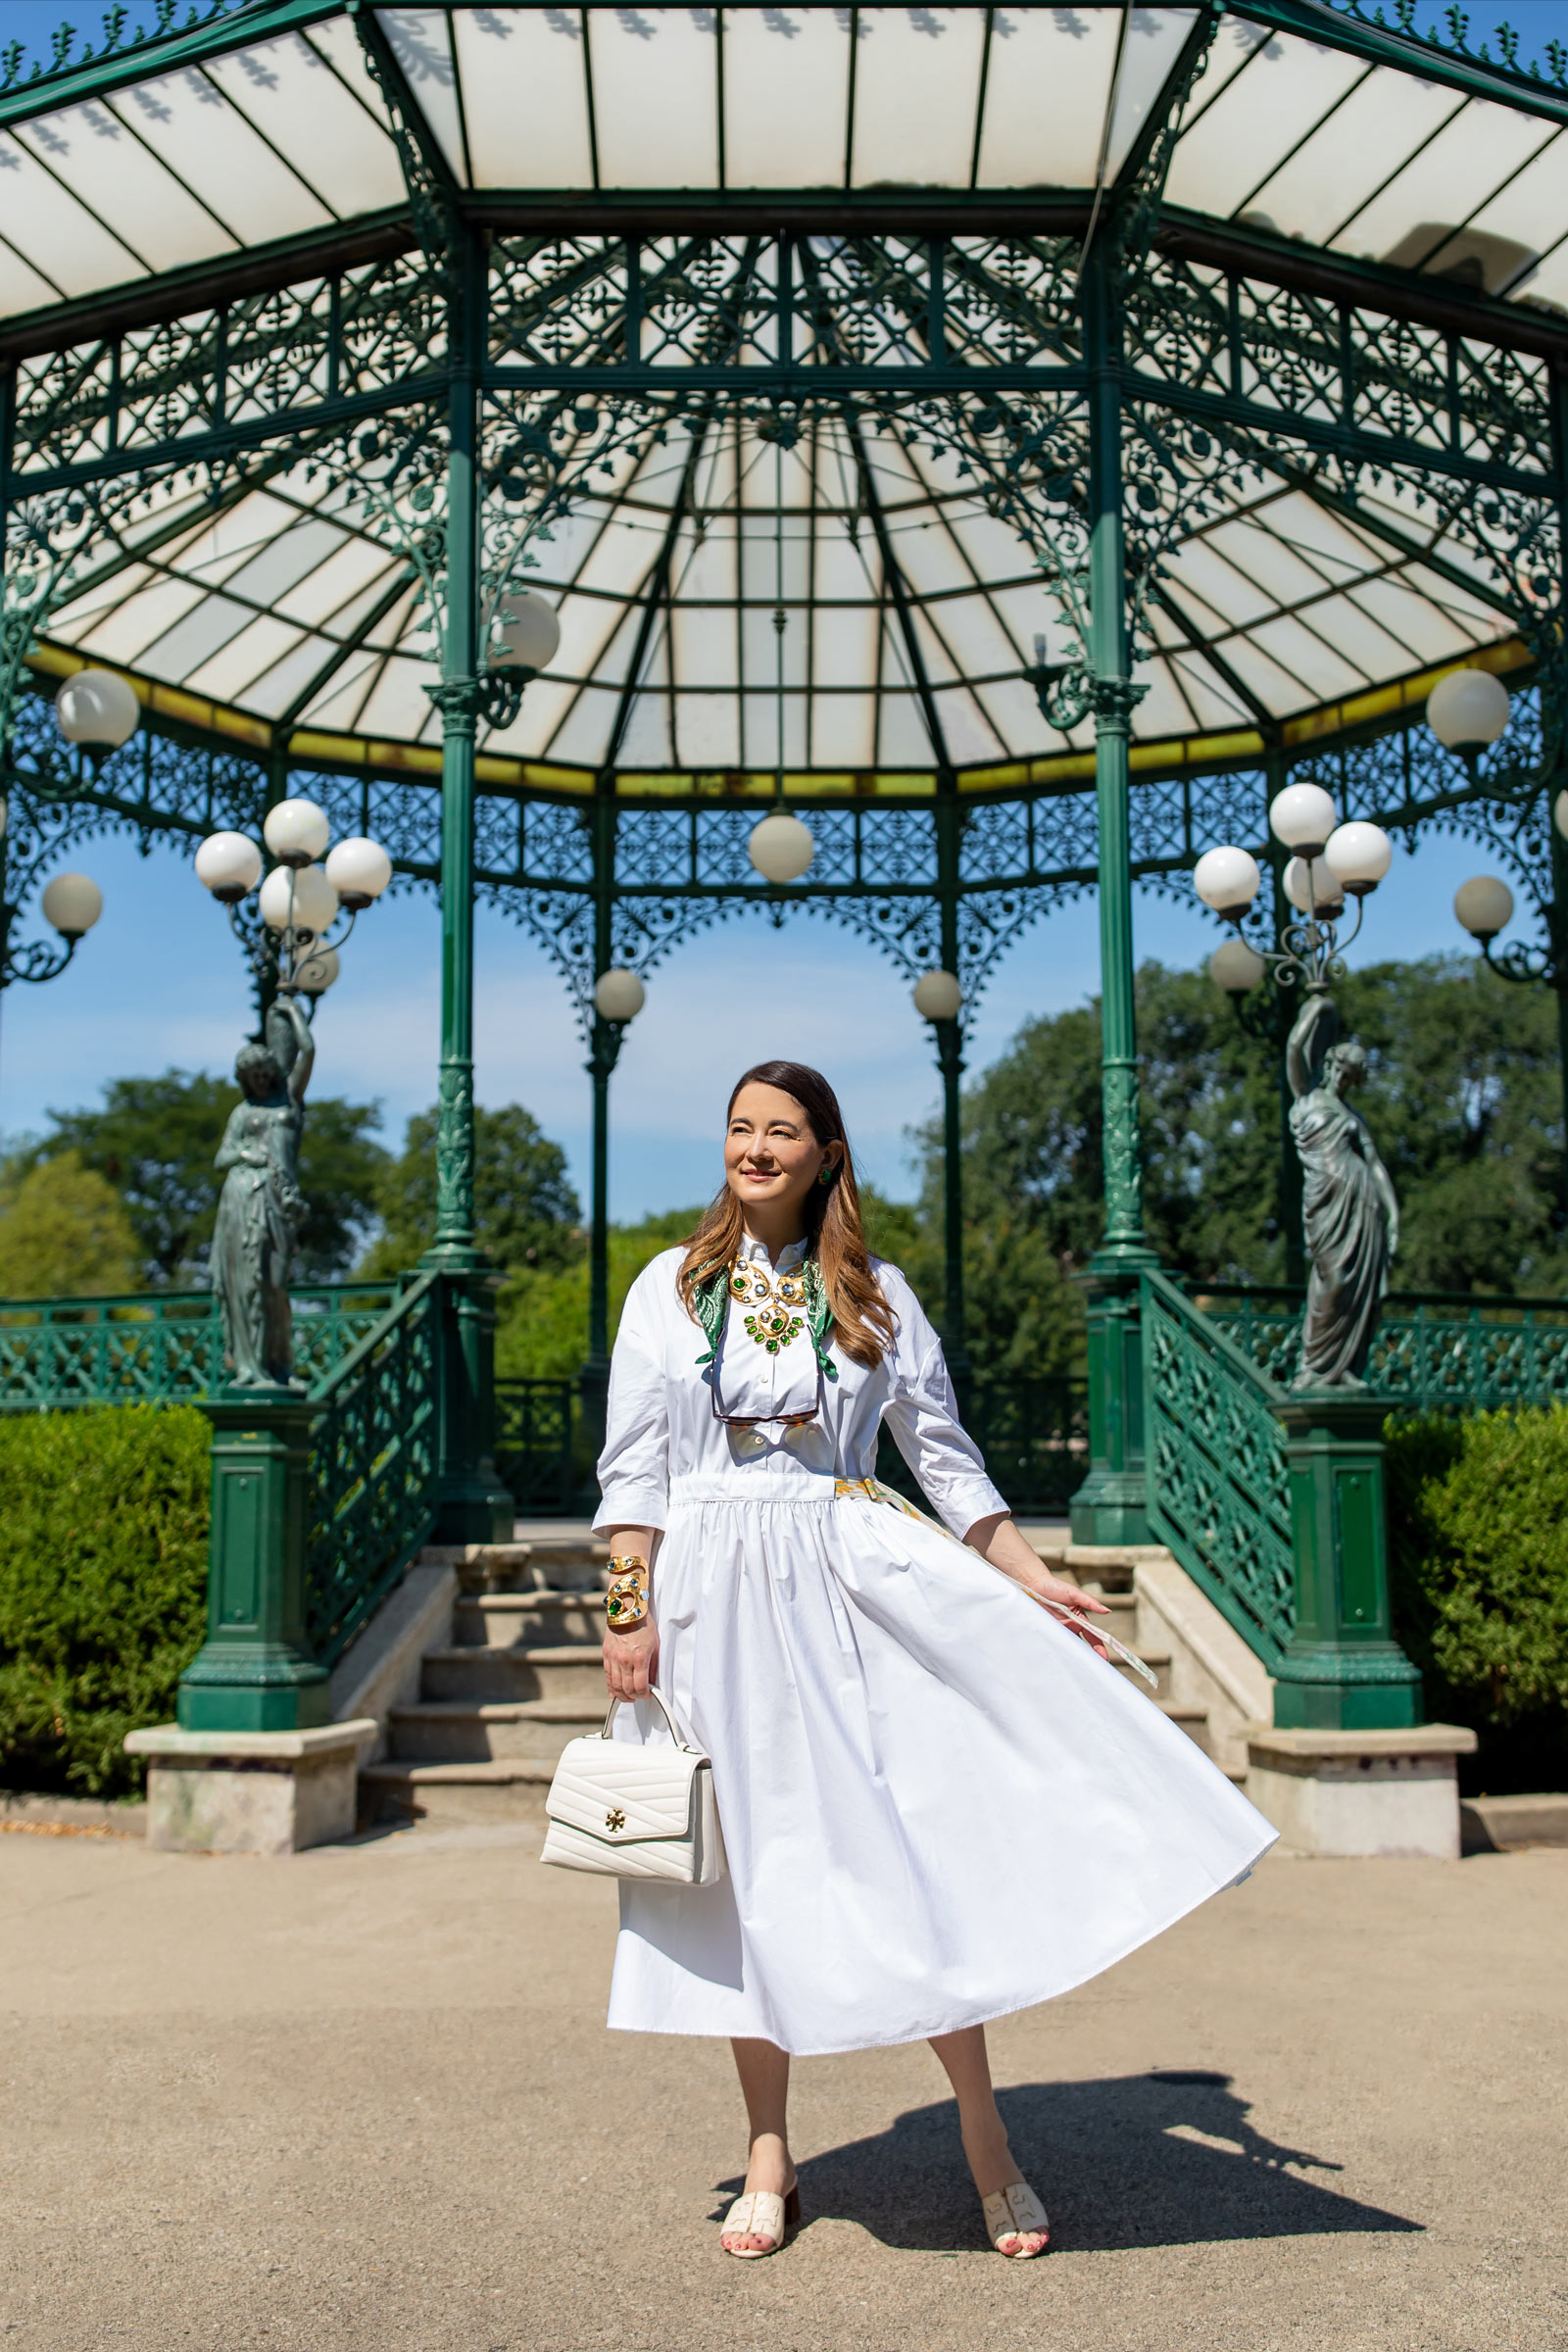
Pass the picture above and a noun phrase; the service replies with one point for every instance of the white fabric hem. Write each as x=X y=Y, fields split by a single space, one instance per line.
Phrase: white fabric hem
x=985 y=2015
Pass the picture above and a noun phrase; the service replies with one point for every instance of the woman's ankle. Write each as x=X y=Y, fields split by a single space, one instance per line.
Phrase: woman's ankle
x=767 y=2163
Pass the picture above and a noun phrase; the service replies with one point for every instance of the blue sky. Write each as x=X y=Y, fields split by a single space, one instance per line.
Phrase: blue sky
x=160 y=982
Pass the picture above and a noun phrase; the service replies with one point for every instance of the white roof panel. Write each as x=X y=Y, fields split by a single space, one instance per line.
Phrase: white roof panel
x=786 y=95
x=1477 y=150
x=655 y=96
x=290 y=91
x=1044 y=111
x=192 y=126
x=1373 y=133
x=526 y=96
x=64 y=241
x=916 y=96
x=123 y=181
x=421 y=44
x=1284 y=92
x=1155 y=37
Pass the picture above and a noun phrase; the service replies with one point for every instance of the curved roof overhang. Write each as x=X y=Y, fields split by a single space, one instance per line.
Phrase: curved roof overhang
x=1318 y=154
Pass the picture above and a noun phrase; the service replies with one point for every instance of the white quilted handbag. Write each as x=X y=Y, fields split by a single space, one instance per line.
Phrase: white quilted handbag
x=643 y=1811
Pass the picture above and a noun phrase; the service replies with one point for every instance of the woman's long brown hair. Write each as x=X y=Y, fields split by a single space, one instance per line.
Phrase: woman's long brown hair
x=863 y=1319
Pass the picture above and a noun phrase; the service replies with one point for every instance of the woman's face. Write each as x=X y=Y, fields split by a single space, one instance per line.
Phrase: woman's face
x=772 y=1158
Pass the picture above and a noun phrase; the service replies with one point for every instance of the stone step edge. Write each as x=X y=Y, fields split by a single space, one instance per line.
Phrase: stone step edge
x=550 y=1654
x=484 y=1772
x=496 y=1710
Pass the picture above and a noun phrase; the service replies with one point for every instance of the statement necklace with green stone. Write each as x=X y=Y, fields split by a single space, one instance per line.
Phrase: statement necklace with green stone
x=775 y=1297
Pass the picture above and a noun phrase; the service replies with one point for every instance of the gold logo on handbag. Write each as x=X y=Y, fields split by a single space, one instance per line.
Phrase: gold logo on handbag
x=616 y=1820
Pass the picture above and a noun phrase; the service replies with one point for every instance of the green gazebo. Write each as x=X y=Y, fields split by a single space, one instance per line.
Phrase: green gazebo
x=1012 y=440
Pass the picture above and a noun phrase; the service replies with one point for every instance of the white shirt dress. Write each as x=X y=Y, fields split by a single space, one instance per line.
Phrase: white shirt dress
x=938 y=1805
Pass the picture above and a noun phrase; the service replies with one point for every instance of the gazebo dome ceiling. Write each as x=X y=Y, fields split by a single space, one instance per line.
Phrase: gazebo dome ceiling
x=909 y=611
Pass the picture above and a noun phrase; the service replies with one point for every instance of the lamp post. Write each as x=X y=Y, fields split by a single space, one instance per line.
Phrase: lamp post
x=938 y=1000
x=618 y=998
x=98 y=712
x=1468 y=711
x=288 y=941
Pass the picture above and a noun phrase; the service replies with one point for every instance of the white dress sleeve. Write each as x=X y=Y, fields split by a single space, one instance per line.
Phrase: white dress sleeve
x=634 y=1466
x=923 y=1416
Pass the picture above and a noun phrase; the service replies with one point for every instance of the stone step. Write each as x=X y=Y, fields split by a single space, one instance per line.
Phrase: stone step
x=453 y=1731
x=563 y=1670
x=509 y=1791
x=1194 y=1721
x=503 y=1620
x=1159 y=1665
x=574 y=1563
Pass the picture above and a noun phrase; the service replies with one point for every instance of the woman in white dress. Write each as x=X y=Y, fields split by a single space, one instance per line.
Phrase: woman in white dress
x=940 y=1803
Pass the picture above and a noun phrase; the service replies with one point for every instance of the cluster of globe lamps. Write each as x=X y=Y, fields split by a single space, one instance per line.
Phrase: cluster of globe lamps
x=1467 y=711
x=97 y=712
x=301 y=899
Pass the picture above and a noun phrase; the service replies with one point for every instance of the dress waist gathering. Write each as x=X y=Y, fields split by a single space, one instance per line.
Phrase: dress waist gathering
x=744 y=1484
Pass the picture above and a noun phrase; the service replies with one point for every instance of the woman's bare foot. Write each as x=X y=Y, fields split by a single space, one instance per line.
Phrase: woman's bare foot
x=769 y=2168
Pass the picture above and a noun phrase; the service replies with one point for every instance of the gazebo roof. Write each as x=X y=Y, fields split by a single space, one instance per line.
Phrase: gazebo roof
x=1316 y=146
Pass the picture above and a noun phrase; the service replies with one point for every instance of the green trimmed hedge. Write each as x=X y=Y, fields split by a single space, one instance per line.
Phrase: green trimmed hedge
x=1478 y=1525
x=103 y=1586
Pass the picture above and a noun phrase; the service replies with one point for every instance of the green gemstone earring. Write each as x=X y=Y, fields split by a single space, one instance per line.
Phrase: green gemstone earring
x=824 y=1174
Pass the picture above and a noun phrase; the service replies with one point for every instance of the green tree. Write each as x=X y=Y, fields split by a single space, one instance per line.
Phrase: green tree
x=64 y=1232
x=542 y=1333
x=525 y=1211
x=154 y=1140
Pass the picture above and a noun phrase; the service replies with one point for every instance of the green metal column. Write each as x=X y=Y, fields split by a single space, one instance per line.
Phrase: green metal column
x=1287 y=1004
x=949 y=1061
x=604 y=1052
x=474 y=1506
x=1109 y=1506
x=1557 y=934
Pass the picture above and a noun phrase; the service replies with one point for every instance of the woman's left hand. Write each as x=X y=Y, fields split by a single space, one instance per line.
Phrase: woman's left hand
x=999 y=1540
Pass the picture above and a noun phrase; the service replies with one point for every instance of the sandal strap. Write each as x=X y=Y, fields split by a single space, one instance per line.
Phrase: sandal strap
x=757 y=2214
x=1012 y=2211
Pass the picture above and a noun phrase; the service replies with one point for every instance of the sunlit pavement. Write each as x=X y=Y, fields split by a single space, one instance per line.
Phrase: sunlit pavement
x=364 y=2101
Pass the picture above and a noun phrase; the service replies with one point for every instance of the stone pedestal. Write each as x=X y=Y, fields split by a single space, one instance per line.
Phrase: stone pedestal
x=1361 y=1793
x=250 y=1793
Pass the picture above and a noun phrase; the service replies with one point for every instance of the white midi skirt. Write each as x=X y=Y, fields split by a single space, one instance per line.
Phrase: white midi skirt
x=938 y=1805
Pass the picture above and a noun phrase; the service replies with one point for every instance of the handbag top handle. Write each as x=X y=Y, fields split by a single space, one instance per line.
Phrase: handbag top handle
x=658 y=1696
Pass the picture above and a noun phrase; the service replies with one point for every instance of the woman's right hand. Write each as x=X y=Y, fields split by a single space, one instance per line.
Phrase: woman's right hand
x=630 y=1659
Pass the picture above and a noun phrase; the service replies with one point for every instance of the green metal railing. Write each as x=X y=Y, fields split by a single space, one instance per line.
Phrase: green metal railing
x=1435 y=1352
x=541 y=1451
x=160 y=1348
x=1218 y=1474
x=374 y=1461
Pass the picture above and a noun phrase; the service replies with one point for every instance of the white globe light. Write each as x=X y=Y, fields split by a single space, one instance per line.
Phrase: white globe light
x=1560 y=811
x=1302 y=817
x=1468 y=709
x=937 y=997
x=1484 y=905
x=318 y=972
x=1236 y=967
x=298 y=895
x=98 y=710
x=1227 y=879
x=72 y=904
x=528 y=635
x=1300 y=884
x=359 y=871
x=296 y=831
x=619 y=994
x=1358 y=856
x=781 y=848
x=229 y=866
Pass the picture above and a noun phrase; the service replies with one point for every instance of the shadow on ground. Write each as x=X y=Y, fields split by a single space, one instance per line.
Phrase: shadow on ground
x=1164 y=2159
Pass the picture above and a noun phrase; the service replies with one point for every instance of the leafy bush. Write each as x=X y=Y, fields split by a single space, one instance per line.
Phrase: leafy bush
x=64 y=1232
x=1478 y=1520
x=102 y=1582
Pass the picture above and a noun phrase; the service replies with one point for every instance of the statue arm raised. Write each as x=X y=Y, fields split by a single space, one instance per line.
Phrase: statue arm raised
x=1314 y=1031
x=299 y=1077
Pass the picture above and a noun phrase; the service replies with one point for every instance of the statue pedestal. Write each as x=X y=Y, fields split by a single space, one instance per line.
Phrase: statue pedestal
x=1361 y=1793
x=1343 y=1671
x=250 y=1793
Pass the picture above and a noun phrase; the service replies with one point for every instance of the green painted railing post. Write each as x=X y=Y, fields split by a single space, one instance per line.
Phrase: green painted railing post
x=474 y=1507
x=604 y=1052
x=253 y=1672
x=1343 y=1669
x=1109 y=1506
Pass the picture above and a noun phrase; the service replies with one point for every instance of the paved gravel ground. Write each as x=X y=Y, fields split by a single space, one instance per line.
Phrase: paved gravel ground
x=363 y=2101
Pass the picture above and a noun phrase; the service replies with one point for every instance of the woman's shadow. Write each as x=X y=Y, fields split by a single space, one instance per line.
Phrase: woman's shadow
x=1163 y=2159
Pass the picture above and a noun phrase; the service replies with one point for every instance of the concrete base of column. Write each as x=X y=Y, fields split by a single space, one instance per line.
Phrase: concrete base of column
x=1361 y=1793
x=250 y=1793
